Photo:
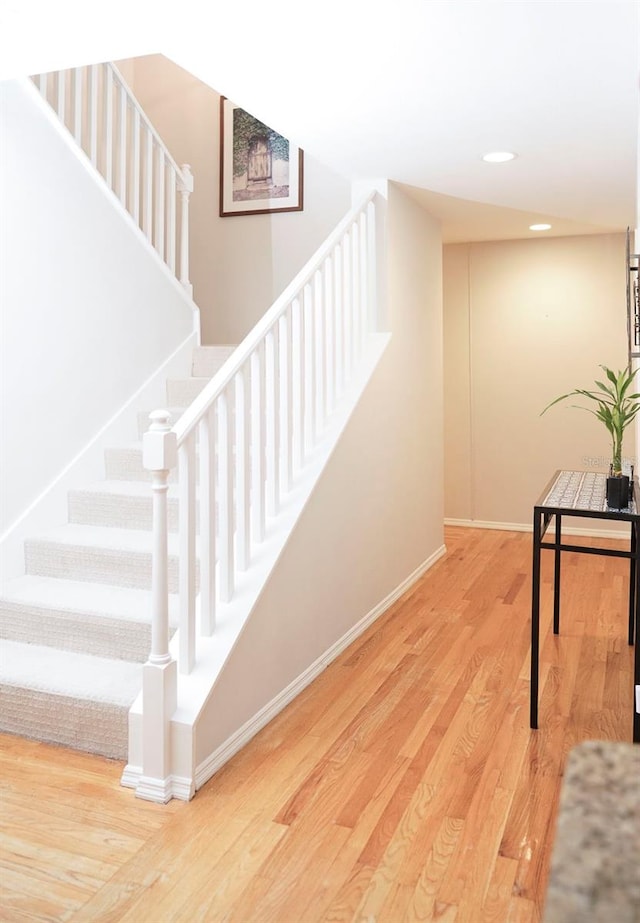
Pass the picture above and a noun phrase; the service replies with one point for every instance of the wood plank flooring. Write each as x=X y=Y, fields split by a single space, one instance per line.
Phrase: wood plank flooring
x=403 y=785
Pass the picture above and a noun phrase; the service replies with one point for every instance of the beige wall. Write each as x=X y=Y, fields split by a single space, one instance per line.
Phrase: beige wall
x=526 y=321
x=239 y=265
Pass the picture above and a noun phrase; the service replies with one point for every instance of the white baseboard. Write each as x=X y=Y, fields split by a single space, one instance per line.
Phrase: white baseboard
x=208 y=767
x=159 y=790
x=528 y=527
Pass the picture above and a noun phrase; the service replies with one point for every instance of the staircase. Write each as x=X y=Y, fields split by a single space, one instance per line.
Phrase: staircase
x=184 y=532
x=75 y=630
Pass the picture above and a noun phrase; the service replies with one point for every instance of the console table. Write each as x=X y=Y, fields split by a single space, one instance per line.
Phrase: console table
x=582 y=494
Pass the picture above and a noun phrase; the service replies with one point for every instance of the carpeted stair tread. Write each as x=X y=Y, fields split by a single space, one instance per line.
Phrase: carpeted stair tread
x=107 y=537
x=182 y=391
x=66 y=673
x=80 y=598
x=119 y=504
x=100 y=554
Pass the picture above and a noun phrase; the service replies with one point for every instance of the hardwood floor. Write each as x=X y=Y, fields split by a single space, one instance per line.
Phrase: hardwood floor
x=403 y=785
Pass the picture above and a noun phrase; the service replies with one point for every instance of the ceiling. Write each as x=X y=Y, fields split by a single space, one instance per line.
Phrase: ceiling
x=412 y=90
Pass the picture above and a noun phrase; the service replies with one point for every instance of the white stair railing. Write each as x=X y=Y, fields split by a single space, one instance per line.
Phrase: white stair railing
x=99 y=109
x=247 y=438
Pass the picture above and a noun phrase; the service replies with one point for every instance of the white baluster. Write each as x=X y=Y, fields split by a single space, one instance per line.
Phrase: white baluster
x=186 y=188
x=298 y=376
x=320 y=349
x=330 y=333
x=373 y=267
x=92 y=97
x=159 y=202
x=272 y=390
x=122 y=139
x=187 y=507
x=207 y=503
x=62 y=95
x=147 y=210
x=356 y=338
x=44 y=85
x=136 y=167
x=347 y=306
x=225 y=496
x=243 y=469
x=108 y=127
x=364 y=279
x=309 y=367
x=338 y=312
x=287 y=397
x=171 y=220
x=258 y=429
x=77 y=104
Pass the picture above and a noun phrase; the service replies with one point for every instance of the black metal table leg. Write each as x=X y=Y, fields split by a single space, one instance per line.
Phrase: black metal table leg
x=632 y=580
x=535 y=620
x=556 y=576
x=636 y=653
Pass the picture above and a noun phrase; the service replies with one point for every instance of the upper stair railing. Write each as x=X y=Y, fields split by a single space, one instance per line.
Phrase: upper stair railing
x=101 y=112
x=247 y=438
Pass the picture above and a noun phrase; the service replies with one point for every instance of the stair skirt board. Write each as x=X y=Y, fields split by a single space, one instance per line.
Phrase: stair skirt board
x=75 y=630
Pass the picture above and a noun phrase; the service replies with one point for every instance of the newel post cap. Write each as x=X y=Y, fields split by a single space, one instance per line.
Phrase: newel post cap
x=187 y=178
x=159 y=446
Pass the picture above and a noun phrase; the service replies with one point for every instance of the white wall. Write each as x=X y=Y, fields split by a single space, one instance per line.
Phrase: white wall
x=526 y=321
x=87 y=314
x=376 y=513
x=239 y=265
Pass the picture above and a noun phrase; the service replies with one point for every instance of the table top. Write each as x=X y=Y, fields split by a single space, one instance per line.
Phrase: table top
x=583 y=493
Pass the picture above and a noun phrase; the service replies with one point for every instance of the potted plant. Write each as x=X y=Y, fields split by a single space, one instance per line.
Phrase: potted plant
x=616 y=408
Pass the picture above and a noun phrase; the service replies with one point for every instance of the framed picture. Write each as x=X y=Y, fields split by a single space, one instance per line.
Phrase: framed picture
x=260 y=171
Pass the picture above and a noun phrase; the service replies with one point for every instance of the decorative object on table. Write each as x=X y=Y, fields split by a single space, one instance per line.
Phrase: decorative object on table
x=260 y=171
x=616 y=408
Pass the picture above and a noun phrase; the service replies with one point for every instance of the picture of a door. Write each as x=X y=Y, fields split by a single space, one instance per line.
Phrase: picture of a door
x=259 y=161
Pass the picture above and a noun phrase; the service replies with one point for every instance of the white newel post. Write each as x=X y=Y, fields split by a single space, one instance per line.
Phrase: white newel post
x=159 y=677
x=185 y=186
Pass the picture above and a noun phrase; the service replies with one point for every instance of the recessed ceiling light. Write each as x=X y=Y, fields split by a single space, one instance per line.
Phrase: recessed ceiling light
x=499 y=156
x=539 y=227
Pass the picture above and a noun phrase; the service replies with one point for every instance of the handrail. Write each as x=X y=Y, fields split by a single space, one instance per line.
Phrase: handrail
x=100 y=110
x=194 y=412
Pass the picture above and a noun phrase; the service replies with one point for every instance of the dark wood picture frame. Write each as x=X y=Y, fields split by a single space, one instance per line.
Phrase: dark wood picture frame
x=261 y=172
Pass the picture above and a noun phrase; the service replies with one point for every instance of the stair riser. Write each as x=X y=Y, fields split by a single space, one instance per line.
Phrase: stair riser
x=208 y=360
x=94 y=727
x=122 y=512
x=83 y=633
x=181 y=392
x=95 y=565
